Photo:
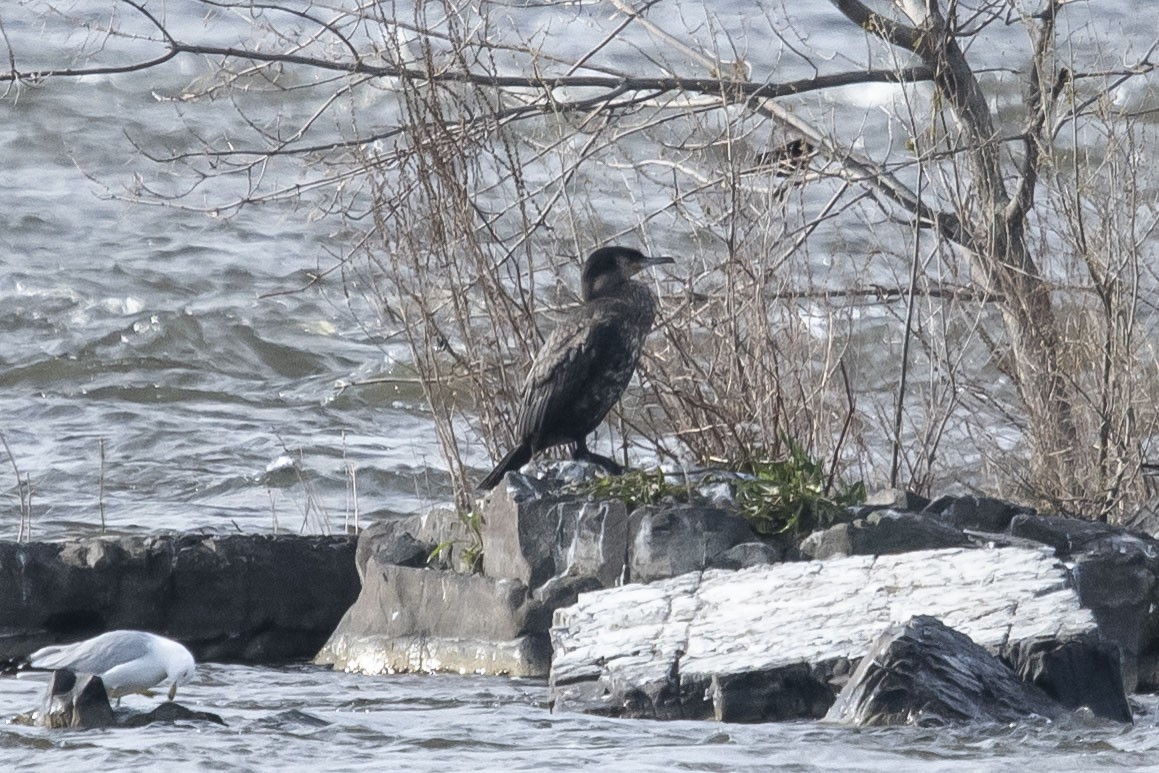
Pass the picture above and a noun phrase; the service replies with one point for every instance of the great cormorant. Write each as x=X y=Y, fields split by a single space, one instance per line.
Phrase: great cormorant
x=586 y=362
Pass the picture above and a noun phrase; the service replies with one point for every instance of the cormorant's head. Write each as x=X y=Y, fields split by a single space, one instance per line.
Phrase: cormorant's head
x=608 y=267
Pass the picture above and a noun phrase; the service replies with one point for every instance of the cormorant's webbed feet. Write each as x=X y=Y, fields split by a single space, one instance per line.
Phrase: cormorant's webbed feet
x=582 y=454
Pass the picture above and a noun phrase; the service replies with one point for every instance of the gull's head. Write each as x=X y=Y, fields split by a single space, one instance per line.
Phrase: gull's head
x=181 y=669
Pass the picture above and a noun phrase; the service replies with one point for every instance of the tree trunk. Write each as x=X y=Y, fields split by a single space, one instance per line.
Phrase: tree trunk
x=993 y=233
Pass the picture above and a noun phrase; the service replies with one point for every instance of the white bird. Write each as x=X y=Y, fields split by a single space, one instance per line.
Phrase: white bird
x=126 y=661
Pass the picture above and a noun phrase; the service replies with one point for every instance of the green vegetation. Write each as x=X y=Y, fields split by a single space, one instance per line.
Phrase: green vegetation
x=791 y=495
x=636 y=487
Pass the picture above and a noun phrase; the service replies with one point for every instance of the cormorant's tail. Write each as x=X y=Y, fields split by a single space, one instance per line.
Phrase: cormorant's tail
x=516 y=458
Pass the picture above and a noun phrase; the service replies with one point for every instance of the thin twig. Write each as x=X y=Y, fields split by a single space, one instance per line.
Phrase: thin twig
x=101 y=482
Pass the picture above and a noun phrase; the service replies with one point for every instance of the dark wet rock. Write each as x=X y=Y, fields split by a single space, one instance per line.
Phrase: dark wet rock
x=408 y=619
x=167 y=712
x=532 y=536
x=793 y=692
x=392 y=541
x=1116 y=579
x=925 y=673
x=564 y=591
x=883 y=532
x=669 y=540
x=293 y=719
x=1067 y=536
x=747 y=554
x=80 y=702
x=1079 y=672
x=1116 y=572
x=655 y=650
x=75 y=702
x=983 y=514
x=896 y=499
x=251 y=598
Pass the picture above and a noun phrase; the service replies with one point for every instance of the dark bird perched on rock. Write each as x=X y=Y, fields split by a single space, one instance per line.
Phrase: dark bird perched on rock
x=585 y=363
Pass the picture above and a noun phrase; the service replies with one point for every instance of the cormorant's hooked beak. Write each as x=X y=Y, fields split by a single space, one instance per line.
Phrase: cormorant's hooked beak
x=650 y=261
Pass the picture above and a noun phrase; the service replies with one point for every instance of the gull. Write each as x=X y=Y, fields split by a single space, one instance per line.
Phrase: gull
x=126 y=661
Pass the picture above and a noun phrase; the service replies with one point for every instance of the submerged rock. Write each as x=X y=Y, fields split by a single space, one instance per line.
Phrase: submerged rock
x=166 y=712
x=80 y=702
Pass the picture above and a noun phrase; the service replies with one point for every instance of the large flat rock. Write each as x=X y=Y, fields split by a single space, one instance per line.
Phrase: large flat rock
x=693 y=645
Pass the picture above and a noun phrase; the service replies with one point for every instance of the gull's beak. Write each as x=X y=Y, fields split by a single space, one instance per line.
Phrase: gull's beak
x=173 y=691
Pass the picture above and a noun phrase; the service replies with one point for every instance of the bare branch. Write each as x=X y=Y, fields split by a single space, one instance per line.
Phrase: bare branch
x=1037 y=106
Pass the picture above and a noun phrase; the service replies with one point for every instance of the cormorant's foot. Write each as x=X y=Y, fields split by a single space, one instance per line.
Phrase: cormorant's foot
x=609 y=466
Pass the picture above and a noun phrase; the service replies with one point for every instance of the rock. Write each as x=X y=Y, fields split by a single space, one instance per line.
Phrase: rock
x=1068 y=536
x=883 y=532
x=251 y=598
x=531 y=536
x=1116 y=579
x=924 y=673
x=75 y=702
x=564 y=591
x=836 y=541
x=983 y=514
x=616 y=650
x=1116 y=572
x=788 y=693
x=1081 y=672
x=167 y=712
x=668 y=540
x=393 y=542
x=896 y=499
x=449 y=537
x=408 y=619
x=746 y=554
x=82 y=703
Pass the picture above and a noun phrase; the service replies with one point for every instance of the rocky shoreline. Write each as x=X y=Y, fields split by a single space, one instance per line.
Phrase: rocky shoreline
x=904 y=610
x=680 y=611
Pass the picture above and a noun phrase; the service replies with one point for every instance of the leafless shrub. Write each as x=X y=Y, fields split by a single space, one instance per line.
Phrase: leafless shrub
x=971 y=301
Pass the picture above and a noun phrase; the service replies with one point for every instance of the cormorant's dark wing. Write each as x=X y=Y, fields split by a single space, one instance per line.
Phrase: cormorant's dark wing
x=577 y=376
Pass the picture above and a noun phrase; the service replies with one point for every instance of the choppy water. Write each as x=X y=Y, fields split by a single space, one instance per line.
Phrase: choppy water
x=311 y=719
x=159 y=333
